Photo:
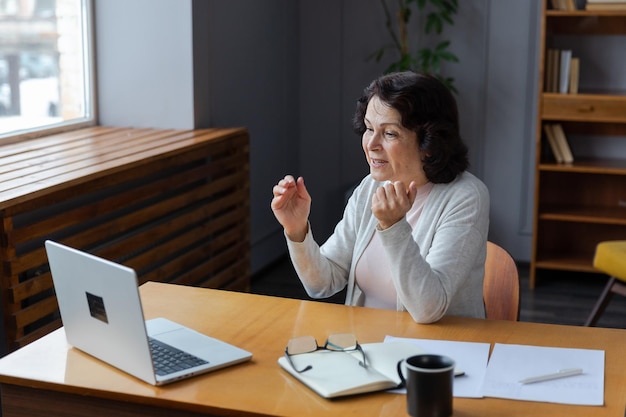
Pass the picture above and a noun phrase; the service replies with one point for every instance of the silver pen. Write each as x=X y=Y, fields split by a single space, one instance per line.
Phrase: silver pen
x=563 y=373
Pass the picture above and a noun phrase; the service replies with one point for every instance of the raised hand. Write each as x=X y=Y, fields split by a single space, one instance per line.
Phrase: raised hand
x=392 y=201
x=291 y=206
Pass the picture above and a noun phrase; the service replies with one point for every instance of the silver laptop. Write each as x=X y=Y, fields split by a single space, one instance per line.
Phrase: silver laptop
x=102 y=315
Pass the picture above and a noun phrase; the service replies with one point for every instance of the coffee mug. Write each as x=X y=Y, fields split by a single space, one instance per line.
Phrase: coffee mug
x=428 y=384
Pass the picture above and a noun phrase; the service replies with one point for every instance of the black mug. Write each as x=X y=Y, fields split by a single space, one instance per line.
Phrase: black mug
x=428 y=384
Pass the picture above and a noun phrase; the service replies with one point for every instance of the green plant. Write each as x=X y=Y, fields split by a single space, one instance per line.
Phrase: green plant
x=425 y=59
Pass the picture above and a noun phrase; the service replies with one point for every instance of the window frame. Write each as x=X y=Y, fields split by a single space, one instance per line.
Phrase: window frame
x=89 y=63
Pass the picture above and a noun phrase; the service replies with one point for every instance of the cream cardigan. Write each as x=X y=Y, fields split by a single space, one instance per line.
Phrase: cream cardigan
x=437 y=267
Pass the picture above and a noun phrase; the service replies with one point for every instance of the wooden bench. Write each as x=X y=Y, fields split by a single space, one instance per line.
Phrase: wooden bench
x=172 y=204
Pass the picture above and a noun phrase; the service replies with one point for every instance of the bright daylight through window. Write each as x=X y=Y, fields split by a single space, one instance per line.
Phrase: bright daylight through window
x=45 y=65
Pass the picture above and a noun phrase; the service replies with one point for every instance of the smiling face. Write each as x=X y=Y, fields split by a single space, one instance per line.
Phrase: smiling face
x=390 y=148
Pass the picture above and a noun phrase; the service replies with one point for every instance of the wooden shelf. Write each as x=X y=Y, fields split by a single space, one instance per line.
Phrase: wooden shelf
x=580 y=204
x=584 y=13
x=599 y=215
x=588 y=166
x=566 y=264
x=585 y=22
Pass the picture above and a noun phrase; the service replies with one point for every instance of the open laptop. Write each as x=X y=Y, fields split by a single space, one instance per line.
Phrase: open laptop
x=102 y=315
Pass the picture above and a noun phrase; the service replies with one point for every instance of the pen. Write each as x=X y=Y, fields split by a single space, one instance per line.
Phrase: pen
x=563 y=373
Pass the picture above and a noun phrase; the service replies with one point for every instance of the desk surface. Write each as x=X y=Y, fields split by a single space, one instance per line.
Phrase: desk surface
x=262 y=325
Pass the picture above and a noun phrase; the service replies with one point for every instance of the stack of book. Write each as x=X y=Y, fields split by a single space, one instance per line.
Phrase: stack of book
x=605 y=5
x=567 y=5
x=561 y=72
x=558 y=143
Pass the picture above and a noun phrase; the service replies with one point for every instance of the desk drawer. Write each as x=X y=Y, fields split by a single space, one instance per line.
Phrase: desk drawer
x=584 y=107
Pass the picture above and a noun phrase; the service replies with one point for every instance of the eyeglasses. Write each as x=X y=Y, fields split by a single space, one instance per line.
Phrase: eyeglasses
x=343 y=342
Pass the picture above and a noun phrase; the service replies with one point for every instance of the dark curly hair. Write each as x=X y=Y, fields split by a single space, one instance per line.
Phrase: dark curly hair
x=428 y=108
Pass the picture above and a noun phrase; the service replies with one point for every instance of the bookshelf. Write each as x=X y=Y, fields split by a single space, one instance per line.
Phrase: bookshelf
x=578 y=204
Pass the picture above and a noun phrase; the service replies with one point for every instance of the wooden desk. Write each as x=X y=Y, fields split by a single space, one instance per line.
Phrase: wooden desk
x=53 y=379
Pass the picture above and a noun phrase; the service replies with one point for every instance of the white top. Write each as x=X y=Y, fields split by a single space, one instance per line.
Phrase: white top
x=373 y=274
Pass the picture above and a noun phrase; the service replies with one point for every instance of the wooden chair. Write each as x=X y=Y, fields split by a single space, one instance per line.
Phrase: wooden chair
x=501 y=285
x=610 y=258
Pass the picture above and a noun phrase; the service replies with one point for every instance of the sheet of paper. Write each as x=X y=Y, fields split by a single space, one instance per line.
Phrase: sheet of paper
x=470 y=357
x=511 y=363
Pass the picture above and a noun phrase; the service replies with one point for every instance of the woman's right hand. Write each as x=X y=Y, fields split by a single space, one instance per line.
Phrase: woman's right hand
x=291 y=206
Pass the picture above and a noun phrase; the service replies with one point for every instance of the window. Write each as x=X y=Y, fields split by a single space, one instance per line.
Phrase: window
x=46 y=80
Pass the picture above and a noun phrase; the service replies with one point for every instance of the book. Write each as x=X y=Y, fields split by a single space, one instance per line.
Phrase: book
x=558 y=4
x=564 y=70
x=570 y=5
x=551 y=71
x=554 y=70
x=563 y=144
x=547 y=71
x=567 y=5
x=574 y=75
x=606 y=6
x=554 y=146
x=561 y=72
x=336 y=374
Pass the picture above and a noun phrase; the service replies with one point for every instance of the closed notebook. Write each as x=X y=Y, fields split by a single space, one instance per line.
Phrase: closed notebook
x=335 y=374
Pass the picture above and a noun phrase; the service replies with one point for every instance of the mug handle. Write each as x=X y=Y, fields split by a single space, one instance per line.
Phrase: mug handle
x=402 y=383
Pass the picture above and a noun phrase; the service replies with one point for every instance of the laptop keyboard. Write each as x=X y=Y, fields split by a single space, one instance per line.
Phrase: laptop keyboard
x=168 y=359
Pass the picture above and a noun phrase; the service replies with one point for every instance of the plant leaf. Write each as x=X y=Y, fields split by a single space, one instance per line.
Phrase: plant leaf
x=447 y=18
x=433 y=21
x=425 y=60
x=442 y=45
x=448 y=56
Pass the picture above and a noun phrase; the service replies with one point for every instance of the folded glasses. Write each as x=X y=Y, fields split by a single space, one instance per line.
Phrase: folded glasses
x=343 y=342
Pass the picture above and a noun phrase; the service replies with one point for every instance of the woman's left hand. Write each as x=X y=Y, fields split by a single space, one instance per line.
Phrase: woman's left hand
x=392 y=201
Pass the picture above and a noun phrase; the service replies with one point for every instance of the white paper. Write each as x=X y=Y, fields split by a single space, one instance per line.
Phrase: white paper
x=469 y=357
x=511 y=363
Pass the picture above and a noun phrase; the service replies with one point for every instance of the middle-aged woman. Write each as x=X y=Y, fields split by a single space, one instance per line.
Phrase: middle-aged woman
x=413 y=234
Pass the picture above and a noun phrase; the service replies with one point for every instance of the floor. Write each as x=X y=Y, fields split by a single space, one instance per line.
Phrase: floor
x=559 y=299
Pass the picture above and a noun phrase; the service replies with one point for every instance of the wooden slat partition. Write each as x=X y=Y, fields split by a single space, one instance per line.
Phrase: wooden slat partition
x=172 y=204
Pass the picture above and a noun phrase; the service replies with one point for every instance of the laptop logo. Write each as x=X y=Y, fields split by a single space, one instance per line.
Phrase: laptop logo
x=96 y=307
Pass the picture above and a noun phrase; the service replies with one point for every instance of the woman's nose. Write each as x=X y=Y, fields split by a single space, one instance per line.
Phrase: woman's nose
x=373 y=142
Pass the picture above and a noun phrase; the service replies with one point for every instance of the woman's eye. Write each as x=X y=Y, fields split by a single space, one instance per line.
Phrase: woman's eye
x=390 y=134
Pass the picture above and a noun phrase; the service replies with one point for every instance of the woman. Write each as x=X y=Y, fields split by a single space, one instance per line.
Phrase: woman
x=414 y=232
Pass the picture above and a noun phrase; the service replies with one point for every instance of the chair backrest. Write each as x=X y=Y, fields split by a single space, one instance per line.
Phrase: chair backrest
x=501 y=285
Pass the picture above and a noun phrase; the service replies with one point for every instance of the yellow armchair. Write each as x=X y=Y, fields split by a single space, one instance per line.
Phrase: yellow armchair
x=610 y=258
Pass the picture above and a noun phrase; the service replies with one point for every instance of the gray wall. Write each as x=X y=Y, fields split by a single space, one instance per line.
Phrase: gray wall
x=291 y=72
x=144 y=51
x=253 y=72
